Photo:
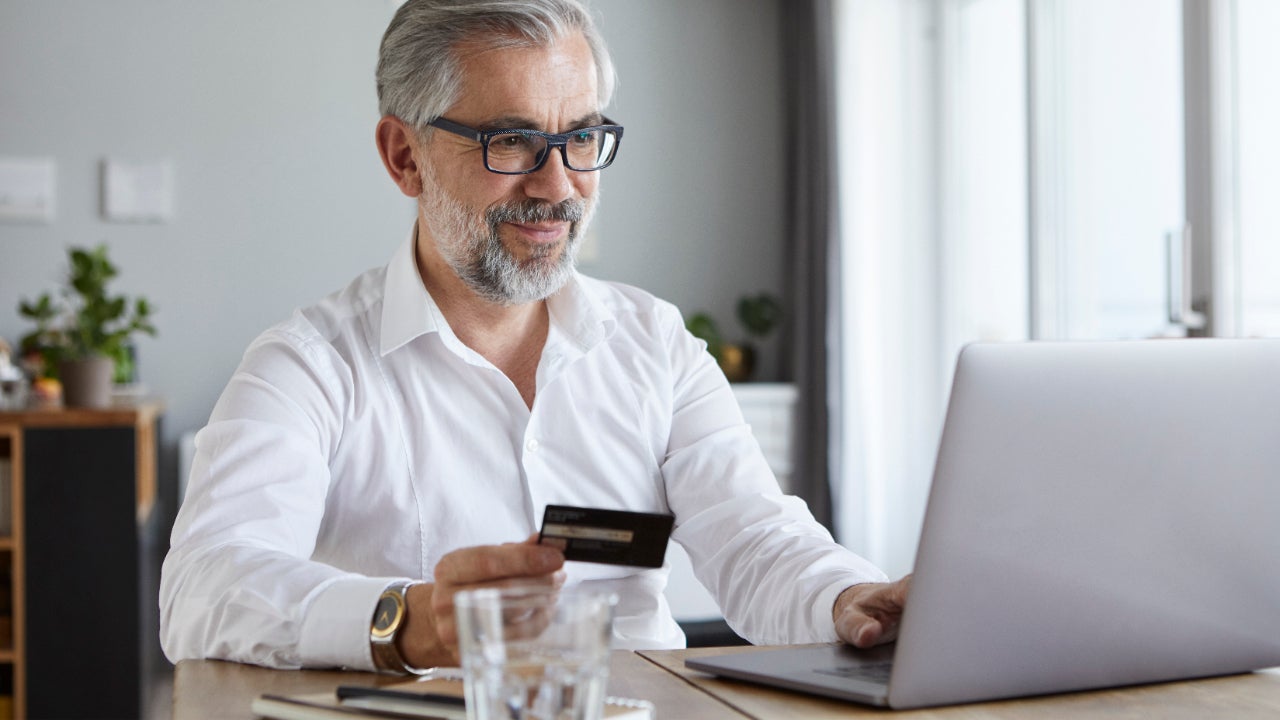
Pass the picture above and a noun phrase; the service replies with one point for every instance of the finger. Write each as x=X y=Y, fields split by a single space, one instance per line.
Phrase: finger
x=482 y=564
x=858 y=628
x=864 y=631
x=524 y=623
x=869 y=634
x=519 y=622
x=551 y=581
x=442 y=599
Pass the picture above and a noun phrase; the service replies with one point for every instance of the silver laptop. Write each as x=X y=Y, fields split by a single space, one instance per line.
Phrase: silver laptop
x=1102 y=514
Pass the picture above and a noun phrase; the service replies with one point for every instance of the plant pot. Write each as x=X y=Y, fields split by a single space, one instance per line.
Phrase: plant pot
x=737 y=361
x=87 y=382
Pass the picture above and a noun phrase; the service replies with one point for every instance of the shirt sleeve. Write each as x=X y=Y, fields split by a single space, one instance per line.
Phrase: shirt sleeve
x=238 y=583
x=774 y=570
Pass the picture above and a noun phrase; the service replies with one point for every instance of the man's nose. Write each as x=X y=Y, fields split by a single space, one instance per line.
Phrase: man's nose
x=553 y=181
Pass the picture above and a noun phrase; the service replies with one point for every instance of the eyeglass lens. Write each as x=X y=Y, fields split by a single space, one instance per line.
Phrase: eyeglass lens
x=588 y=149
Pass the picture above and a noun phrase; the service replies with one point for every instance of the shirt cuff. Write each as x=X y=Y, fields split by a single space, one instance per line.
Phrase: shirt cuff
x=823 y=621
x=335 y=630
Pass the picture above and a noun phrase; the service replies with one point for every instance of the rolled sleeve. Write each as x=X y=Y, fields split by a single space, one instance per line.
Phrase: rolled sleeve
x=773 y=569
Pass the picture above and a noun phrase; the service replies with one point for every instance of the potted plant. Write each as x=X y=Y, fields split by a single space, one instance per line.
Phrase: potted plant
x=759 y=315
x=703 y=327
x=83 y=336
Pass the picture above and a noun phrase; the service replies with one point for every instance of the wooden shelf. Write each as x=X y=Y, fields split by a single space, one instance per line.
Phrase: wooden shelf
x=6 y=542
x=127 y=412
x=7 y=656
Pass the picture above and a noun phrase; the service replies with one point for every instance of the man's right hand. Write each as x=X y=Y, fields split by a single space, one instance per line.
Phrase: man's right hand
x=429 y=636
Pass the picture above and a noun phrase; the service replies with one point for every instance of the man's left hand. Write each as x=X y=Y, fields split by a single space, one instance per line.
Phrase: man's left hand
x=869 y=614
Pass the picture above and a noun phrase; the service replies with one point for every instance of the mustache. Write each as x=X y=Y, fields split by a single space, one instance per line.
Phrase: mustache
x=534 y=211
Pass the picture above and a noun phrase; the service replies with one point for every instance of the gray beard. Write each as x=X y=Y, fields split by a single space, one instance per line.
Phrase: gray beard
x=470 y=244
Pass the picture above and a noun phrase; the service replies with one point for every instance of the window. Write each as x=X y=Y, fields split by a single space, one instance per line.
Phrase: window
x=1016 y=169
x=1107 y=184
x=1258 y=165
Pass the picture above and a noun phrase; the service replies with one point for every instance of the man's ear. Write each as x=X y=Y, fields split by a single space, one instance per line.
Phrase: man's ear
x=396 y=145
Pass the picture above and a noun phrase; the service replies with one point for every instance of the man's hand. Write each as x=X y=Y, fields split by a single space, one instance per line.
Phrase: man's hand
x=430 y=634
x=869 y=614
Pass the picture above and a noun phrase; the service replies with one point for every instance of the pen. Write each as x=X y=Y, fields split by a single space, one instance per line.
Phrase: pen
x=346 y=692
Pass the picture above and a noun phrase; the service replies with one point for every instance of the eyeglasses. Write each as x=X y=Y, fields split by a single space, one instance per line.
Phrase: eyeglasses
x=520 y=152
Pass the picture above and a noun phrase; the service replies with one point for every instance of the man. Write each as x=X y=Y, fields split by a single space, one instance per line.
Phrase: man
x=393 y=443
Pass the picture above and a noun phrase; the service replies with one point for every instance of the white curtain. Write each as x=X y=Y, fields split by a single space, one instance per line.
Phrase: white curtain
x=933 y=249
x=888 y=397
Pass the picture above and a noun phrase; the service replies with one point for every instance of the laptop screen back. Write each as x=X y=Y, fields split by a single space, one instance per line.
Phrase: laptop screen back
x=1101 y=514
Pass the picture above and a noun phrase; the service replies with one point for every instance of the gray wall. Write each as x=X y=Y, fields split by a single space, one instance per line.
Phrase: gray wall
x=267 y=111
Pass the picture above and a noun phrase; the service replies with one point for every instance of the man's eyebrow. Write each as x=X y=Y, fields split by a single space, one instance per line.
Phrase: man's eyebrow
x=589 y=120
x=508 y=122
x=516 y=122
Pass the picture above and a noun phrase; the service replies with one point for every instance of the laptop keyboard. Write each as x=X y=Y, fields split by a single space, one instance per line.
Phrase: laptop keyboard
x=871 y=672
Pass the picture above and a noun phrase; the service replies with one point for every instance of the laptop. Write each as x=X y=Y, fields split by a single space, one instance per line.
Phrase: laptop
x=1102 y=514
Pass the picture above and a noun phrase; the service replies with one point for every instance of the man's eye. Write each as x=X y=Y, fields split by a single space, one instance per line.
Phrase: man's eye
x=513 y=142
x=583 y=139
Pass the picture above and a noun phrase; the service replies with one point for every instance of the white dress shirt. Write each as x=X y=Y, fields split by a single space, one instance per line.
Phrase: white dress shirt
x=360 y=441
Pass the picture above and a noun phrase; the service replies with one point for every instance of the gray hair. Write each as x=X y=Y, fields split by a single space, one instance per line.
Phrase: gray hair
x=418 y=70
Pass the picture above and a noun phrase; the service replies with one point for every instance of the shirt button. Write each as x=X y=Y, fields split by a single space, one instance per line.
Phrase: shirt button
x=531 y=445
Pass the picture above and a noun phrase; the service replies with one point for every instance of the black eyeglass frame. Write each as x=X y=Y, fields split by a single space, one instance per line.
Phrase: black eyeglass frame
x=554 y=140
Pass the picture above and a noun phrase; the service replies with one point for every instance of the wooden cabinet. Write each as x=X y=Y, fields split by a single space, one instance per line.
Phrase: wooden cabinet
x=82 y=559
x=12 y=617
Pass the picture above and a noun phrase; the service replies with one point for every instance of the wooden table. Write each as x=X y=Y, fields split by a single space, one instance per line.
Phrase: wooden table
x=213 y=689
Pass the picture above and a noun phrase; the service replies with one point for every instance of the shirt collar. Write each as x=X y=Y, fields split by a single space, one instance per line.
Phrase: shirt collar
x=580 y=314
x=409 y=311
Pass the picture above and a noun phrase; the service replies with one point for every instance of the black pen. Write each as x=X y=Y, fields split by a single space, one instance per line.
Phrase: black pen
x=409 y=700
x=353 y=691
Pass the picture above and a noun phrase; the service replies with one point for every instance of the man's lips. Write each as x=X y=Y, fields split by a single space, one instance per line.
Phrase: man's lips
x=541 y=233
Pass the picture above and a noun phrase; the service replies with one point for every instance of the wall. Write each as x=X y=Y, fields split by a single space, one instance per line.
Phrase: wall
x=267 y=110
x=693 y=210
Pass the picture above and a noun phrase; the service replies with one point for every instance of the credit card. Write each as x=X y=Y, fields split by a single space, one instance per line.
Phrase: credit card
x=614 y=537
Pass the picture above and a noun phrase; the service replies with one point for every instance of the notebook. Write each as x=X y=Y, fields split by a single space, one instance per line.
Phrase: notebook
x=439 y=696
x=1101 y=514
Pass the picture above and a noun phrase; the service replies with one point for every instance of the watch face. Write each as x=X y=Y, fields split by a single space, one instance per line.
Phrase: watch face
x=386 y=616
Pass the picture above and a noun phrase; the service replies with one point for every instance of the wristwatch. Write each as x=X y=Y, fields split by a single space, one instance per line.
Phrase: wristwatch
x=388 y=617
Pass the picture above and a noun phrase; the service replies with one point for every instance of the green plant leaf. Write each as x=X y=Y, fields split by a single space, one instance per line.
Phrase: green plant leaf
x=703 y=327
x=86 y=320
x=759 y=314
